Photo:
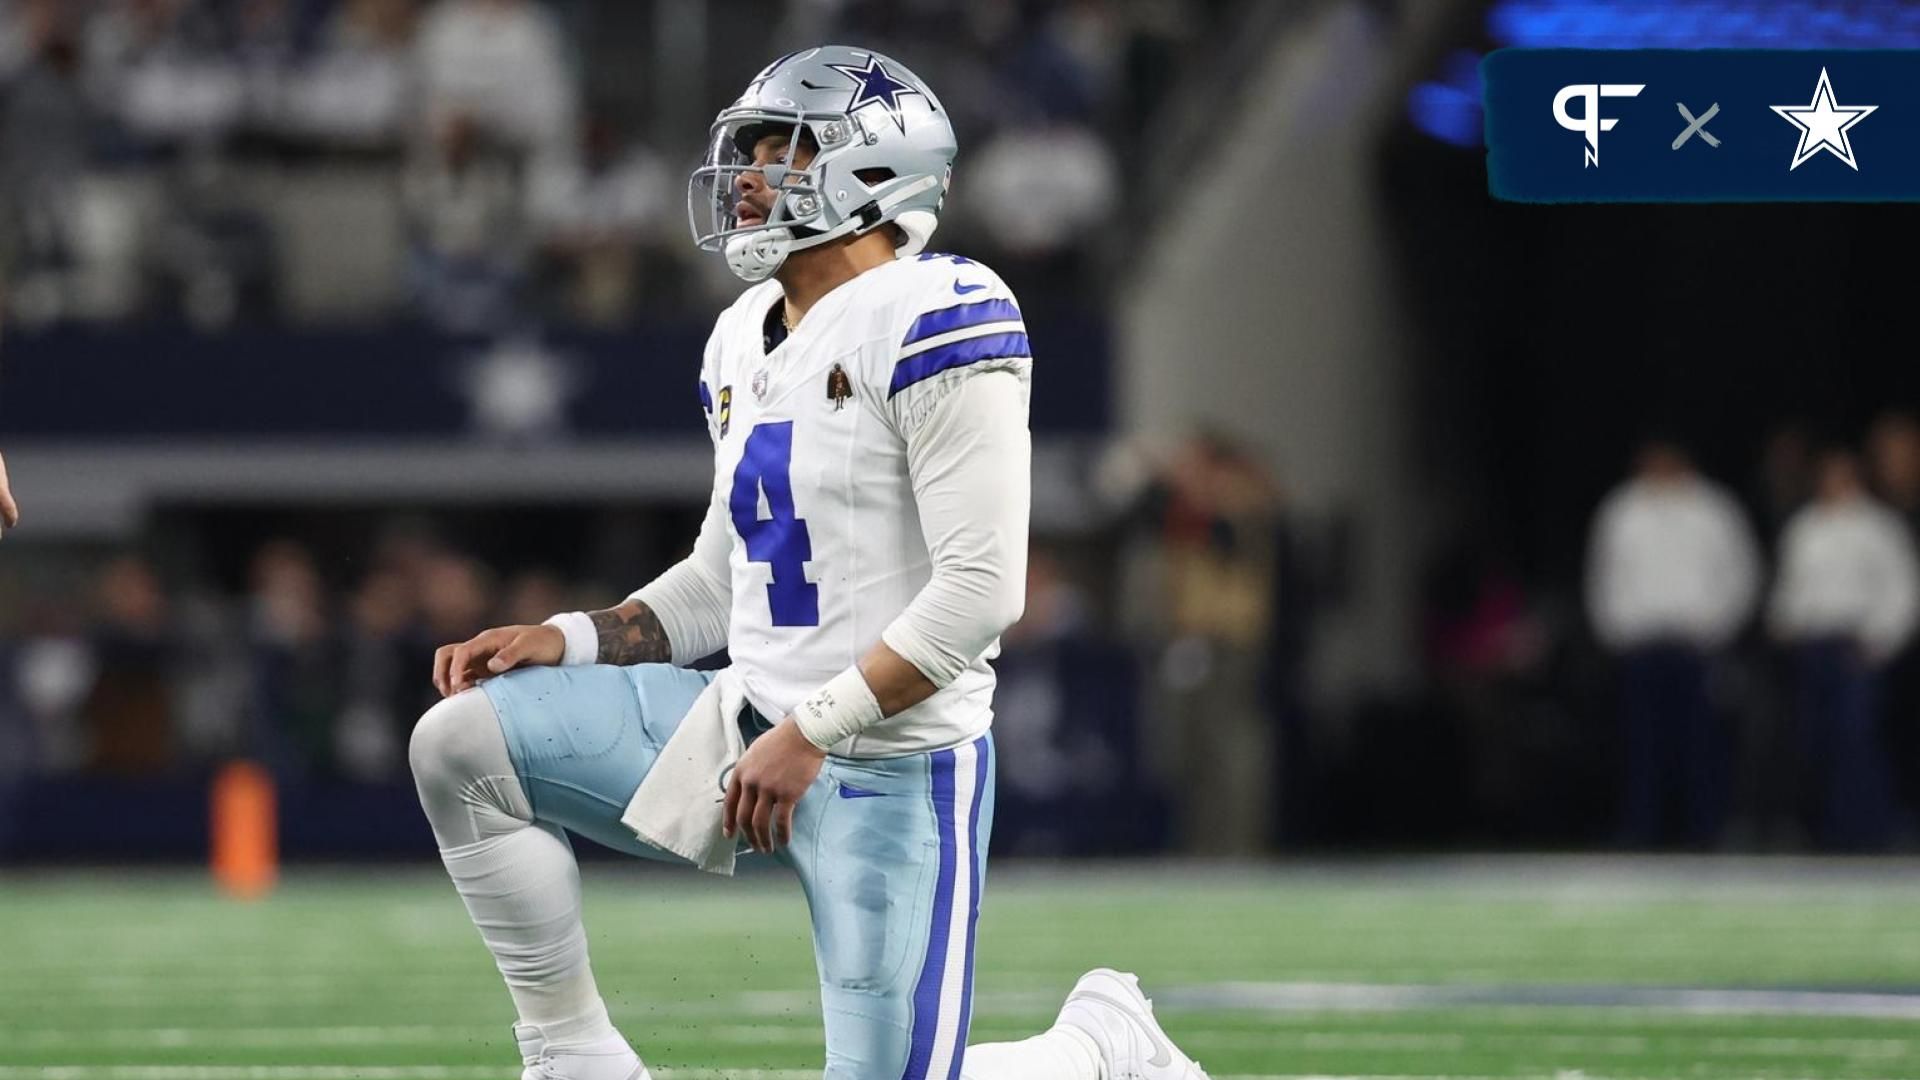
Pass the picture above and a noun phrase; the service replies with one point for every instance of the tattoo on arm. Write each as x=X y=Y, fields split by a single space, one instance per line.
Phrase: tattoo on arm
x=631 y=634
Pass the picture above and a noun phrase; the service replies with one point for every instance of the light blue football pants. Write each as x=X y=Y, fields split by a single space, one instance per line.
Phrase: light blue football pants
x=892 y=852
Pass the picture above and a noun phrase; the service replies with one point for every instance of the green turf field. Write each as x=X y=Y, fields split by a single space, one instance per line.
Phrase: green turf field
x=1556 y=968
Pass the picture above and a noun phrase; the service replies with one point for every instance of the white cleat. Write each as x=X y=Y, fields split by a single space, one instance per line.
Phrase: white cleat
x=1108 y=1006
x=613 y=1063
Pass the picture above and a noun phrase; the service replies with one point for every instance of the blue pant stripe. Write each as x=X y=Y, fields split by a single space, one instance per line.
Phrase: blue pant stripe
x=980 y=769
x=926 y=993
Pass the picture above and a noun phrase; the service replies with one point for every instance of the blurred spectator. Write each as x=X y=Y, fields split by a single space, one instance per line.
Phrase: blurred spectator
x=266 y=42
x=1846 y=599
x=532 y=596
x=45 y=130
x=1672 y=575
x=21 y=28
x=357 y=89
x=1214 y=511
x=456 y=598
x=212 y=252
x=463 y=209
x=294 y=678
x=1784 y=480
x=501 y=64
x=591 y=215
x=1484 y=646
x=9 y=507
x=159 y=66
x=1065 y=716
x=128 y=712
x=53 y=671
x=1040 y=192
x=1893 y=457
x=418 y=597
x=377 y=694
x=1060 y=64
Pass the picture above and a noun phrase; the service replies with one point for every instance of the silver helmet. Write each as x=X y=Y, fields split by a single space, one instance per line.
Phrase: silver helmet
x=885 y=153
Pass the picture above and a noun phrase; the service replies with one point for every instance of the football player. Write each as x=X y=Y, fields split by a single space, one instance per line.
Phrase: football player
x=864 y=546
x=9 y=510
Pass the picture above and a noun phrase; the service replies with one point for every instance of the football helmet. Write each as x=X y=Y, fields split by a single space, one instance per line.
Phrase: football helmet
x=884 y=154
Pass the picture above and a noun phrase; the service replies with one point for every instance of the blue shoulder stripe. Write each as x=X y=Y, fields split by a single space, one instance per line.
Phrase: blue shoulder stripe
x=706 y=396
x=926 y=365
x=959 y=317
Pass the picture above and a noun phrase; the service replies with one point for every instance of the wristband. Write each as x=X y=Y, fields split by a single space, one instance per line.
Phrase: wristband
x=583 y=641
x=845 y=706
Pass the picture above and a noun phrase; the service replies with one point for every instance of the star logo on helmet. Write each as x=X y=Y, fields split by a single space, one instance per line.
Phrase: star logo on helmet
x=875 y=83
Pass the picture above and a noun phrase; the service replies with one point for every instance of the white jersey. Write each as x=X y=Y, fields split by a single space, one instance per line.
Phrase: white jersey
x=812 y=478
x=1847 y=568
x=1671 y=560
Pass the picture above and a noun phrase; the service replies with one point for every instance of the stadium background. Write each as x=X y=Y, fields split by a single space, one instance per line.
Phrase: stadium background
x=335 y=330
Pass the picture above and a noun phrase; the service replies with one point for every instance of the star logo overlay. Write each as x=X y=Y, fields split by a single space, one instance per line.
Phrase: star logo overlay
x=875 y=83
x=1823 y=125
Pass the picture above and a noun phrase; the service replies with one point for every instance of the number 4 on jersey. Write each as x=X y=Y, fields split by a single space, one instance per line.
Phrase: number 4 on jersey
x=780 y=540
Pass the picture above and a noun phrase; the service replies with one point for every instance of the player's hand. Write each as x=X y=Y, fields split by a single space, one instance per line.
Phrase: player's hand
x=767 y=784
x=9 y=510
x=495 y=652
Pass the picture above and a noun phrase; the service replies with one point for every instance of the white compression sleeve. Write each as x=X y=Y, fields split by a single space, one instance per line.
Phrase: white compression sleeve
x=694 y=597
x=971 y=464
x=516 y=876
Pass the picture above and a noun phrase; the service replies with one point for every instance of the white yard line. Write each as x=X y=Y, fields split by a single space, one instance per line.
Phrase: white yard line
x=487 y=1072
x=478 y=1072
x=236 y=1037
x=1363 y=997
x=807 y=1032
x=1256 y=997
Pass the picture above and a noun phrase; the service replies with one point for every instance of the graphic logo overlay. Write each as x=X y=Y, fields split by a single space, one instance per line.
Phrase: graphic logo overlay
x=1823 y=125
x=1733 y=143
x=1589 y=122
x=1697 y=125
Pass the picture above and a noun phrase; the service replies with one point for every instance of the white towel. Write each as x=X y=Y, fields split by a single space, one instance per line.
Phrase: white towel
x=681 y=803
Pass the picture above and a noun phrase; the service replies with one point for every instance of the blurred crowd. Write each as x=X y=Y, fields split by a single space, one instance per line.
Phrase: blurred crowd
x=153 y=675
x=1739 y=670
x=1831 y=583
x=1739 y=667
x=314 y=655
x=477 y=163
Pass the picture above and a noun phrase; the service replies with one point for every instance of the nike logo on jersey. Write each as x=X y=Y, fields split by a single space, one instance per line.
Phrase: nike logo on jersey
x=965 y=289
x=848 y=791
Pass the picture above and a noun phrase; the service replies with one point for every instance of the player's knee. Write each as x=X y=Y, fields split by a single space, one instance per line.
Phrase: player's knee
x=448 y=747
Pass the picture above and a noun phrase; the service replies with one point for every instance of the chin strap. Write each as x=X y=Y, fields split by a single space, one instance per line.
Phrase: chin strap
x=755 y=256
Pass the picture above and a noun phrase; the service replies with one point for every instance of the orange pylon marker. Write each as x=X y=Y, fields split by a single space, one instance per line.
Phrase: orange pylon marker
x=246 y=831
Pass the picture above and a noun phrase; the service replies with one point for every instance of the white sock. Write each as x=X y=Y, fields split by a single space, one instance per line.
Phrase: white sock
x=517 y=876
x=522 y=890
x=1060 y=1054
